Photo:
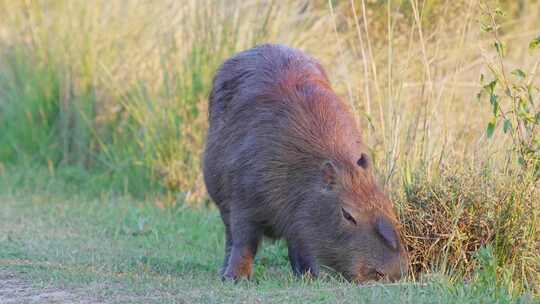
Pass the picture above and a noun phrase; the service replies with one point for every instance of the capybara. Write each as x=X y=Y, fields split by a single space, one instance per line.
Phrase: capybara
x=284 y=159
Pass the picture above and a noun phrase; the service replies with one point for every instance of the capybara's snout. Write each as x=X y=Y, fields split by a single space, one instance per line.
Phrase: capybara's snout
x=396 y=269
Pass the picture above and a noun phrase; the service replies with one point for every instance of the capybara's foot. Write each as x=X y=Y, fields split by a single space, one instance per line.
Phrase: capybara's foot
x=302 y=262
x=240 y=264
x=223 y=268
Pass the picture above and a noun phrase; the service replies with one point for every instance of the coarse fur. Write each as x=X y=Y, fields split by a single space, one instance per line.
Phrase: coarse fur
x=284 y=158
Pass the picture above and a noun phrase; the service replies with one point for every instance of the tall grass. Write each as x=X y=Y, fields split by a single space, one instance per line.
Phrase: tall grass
x=417 y=68
x=118 y=89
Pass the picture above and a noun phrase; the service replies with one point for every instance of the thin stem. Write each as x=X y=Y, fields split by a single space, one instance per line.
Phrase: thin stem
x=364 y=62
x=341 y=52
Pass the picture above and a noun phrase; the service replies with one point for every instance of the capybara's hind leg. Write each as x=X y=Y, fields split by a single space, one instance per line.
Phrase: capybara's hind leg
x=302 y=262
x=245 y=241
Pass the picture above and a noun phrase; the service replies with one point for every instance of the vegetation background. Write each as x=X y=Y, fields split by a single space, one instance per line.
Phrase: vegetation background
x=105 y=99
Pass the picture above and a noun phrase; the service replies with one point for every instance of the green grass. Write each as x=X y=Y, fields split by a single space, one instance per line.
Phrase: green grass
x=118 y=249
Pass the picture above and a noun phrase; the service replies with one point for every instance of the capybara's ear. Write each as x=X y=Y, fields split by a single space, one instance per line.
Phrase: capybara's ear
x=328 y=175
x=387 y=232
x=363 y=161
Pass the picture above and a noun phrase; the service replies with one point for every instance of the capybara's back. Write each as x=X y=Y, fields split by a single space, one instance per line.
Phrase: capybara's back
x=284 y=158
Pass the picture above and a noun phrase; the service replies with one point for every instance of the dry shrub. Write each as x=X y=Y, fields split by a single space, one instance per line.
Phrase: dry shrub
x=448 y=218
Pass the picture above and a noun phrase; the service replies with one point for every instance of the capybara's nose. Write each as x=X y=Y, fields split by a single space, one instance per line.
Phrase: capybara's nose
x=396 y=270
x=393 y=277
x=388 y=276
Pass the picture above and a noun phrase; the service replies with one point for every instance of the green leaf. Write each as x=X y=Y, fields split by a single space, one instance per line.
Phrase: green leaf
x=522 y=105
x=481 y=78
x=493 y=99
x=486 y=28
x=534 y=43
x=499 y=47
x=499 y=11
x=530 y=118
x=521 y=161
x=519 y=73
x=490 y=87
x=507 y=125
x=490 y=129
x=494 y=103
x=537 y=118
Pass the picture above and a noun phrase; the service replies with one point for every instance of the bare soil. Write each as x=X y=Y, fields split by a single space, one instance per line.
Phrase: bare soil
x=13 y=290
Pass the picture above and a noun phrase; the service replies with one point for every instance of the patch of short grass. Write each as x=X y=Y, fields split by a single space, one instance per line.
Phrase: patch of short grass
x=122 y=108
x=118 y=249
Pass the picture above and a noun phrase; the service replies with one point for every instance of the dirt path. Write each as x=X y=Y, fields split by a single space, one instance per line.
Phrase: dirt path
x=16 y=290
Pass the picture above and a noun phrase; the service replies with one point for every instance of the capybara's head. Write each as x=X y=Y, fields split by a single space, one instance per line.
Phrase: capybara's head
x=355 y=229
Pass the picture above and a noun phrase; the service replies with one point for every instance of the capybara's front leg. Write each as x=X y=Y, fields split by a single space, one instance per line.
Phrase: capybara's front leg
x=228 y=239
x=302 y=261
x=245 y=240
x=228 y=248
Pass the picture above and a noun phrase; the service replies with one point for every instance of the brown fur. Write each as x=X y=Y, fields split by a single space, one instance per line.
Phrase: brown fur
x=284 y=158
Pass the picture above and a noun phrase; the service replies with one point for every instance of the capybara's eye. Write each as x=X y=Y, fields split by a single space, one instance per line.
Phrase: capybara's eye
x=363 y=161
x=348 y=216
